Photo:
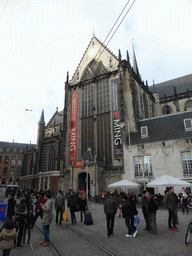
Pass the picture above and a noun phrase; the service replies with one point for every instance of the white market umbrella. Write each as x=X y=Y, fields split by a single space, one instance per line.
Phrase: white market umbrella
x=168 y=181
x=123 y=183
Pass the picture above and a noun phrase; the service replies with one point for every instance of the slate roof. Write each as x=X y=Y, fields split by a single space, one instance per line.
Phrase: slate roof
x=181 y=84
x=162 y=128
x=13 y=145
x=56 y=119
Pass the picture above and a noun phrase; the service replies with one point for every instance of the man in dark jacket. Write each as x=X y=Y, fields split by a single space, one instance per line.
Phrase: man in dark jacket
x=10 y=209
x=144 y=211
x=170 y=202
x=20 y=214
x=151 y=209
x=110 y=209
x=59 y=207
x=72 y=203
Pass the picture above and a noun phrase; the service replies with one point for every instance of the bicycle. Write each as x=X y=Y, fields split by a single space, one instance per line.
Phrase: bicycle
x=189 y=228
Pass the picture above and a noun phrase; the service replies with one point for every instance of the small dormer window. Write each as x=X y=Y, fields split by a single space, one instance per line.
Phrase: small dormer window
x=144 y=132
x=188 y=124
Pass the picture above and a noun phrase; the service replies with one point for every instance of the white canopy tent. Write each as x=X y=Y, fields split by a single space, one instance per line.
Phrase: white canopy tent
x=124 y=184
x=168 y=181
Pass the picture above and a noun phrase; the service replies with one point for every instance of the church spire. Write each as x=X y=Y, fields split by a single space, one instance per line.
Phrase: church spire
x=42 y=119
x=135 y=66
x=41 y=126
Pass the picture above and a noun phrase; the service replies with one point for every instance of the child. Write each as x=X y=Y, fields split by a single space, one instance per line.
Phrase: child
x=8 y=238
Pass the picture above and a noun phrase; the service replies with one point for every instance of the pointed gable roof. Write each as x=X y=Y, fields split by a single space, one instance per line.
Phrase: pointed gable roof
x=96 y=51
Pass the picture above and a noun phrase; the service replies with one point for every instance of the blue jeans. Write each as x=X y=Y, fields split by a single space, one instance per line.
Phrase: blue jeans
x=6 y=252
x=45 y=229
x=72 y=211
x=129 y=221
x=172 y=215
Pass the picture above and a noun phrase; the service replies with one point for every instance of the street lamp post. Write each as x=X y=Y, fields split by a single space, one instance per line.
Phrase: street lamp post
x=12 y=175
x=40 y=180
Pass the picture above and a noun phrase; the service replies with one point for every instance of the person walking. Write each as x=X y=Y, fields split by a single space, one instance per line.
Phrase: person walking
x=170 y=202
x=110 y=209
x=151 y=210
x=59 y=207
x=47 y=218
x=128 y=212
x=72 y=203
x=83 y=205
x=20 y=215
x=10 y=209
x=144 y=211
x=8 y=238
x=38 y=209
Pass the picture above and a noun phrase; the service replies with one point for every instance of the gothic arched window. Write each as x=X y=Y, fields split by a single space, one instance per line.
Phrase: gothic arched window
x=188 y=105
x=145 y=101
x=94 y=68
x=166 y=110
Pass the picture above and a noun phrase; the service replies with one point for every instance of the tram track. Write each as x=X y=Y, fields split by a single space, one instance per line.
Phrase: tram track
x=82 y=236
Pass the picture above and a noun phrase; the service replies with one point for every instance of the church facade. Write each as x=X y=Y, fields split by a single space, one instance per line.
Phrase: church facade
x=110 y=112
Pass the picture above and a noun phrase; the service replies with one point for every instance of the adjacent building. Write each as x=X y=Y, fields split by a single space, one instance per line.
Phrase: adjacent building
x=11 y=161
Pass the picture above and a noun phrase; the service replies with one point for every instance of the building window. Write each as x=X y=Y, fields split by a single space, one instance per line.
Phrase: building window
x=6 y=160
x=144 y=132
x=5 y=170
x=188 y=124
x=19 y=160
x=87 y=134
x=138 y=166
x=13 y=160
x=1 y=149
x=102 y=95
x=187 y=162
x=143 y=166
x=18 y=171
x=0 y=159
x=12 y=171
x=87 y=100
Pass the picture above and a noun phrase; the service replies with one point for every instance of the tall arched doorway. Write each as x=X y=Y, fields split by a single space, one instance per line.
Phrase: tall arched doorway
x=82 y=182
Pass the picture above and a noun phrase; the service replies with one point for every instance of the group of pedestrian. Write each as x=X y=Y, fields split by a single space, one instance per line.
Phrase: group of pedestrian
x=77 y=203
x=149 y=207
x=21 y=216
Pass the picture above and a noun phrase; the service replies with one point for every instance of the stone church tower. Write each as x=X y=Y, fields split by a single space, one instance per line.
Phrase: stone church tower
x=41 y=127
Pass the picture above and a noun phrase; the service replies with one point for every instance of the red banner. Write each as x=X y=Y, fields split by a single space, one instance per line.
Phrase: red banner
x=73 y=127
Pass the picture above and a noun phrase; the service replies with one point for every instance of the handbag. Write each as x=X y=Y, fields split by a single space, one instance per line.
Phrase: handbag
x=65 y=216
x=77 y=208
x=136 y=221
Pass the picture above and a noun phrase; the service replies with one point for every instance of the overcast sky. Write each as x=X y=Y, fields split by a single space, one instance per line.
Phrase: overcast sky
x=40 y=40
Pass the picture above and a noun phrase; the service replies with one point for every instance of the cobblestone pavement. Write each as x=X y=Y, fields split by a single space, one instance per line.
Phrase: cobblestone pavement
x=167 y=243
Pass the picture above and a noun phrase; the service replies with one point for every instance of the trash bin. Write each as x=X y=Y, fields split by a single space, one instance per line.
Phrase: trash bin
x=3 y=207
